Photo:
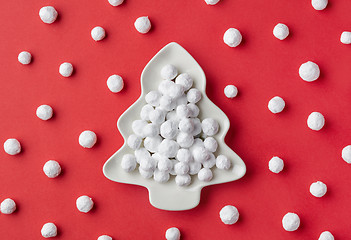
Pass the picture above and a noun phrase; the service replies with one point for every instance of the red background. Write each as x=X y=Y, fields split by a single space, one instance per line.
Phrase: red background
x=261 y=67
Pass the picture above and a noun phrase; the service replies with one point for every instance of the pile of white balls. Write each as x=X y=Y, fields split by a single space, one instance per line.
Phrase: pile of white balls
x=170 y=139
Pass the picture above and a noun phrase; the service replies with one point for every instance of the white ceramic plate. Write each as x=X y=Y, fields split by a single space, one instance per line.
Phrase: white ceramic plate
x=169 y=196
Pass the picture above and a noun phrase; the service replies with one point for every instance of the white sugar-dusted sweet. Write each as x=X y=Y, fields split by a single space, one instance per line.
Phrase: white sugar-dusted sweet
x=66 y=69
x=181 y=168
x=210 y=144
x=148 y=164
x=87 y=139
x=172 y=115
x=181 y=100
x=141 y=153
x=291 y=222
x=346 y=154
x=194 y=167
x=48 y=14
x=168 y=148
x=24 y=57
x=205 y=175
x=176 y=91
x=210 y=126
x=201 y=154
x=276 y=164
x=197 y=143
x=169 y=72
x=211 y=2
x=230 y=91
x=229 y=215
x=326 y=235
x=183 y=180
x=232 y=37
x=145 y=112
x=151 y=130
x=52 y=169
x=164 y=164
x=276 y=104
x=128 y=162
x=281 y=31
x=169 y=129
x=345 y=37
x=44 y=112
x=210 y=162
x=185 y=80
x=114 y=3
x=153 y=98
x=165 y=86
x=319 y=4
x=12 y=146
x=98 y=33
x=315 y=121
x=184 y=155
x=193 y=95
x=172 y=172
x=152 y=143
x=186 y=125
x=318 y=189
x=105 y=237
x=194 y=110
x=197 y=127
x=309 y=71
x=134 y=141
x=183 y=111
x=222 y=162
x=172 y=234
x=84 y=204
x=8 y=206
x=167 y=103
x=49 y=230
x=185 y=140
x=115 y=83
x=146 y=174
x=161 y=176
x=138 y=127
x=142 y=24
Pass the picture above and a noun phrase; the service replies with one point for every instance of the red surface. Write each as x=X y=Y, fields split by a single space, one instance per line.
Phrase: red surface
x=261 y=67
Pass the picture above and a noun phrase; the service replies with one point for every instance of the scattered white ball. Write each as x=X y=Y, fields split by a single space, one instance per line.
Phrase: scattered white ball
x=153 y=98
x=183 y=180
x=276 y=105
x=194 y=110
x=146 y=174
x=134 y=141
x=205 y=175
x=186 y=125
x=346 y=154
x=318 y=189
x=152 y=143
x=138 y=127
x=345 y=37
x=230 y=91
x=315 y=121
x=12 y=146
x=165 y=165
x=185 y=140
x=151 y=130
x=185 y=80
x=66 y=69
x=210 y=162
x=211 y=2
x=210 y=126
x=319 y=4
x=232 y=37
x=8 y=206
x=49 y=230
x=98 y=33
x=24 y=57
x=128 y=162
x=173 y=234
x=169 y=72
x=87 y=139
x=167 y=103
x=194 y=168
x=201 y=154
x=291 y=222
x=222 y=162
x=115 y=83
x=281 y=31
x=309 y=71
x=169 y=129
x=142 y=24
x=210 y=144
x=181 y=168
x=229 y=215
x=193 y=95
x=44 y=112
x=168 y=148
x=160 y=176
x=276 y=164
x=52 y=169
x=148 y=164
x=84 y=204
x=114 y=3
x=141 y=153
x=48 y=14
x=157 y=116
x=184 y=155
x=183 y=111
x=326 y=235
x=197 y=127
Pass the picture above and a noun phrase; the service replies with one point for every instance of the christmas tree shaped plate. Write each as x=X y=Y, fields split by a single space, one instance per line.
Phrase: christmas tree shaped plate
x=169 y=196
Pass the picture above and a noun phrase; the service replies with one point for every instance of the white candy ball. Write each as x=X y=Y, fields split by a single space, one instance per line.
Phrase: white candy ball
x=276 y=164
x=165 y=165
x=319 y=4
x=222 y=162
x=8 y=206
x=24 y=57
x=44 y=112
x=345 y=38
x=210 y=162
x=145 y=111
x=229 y=215
x=105 y=237
x=142 y=24
x=66 y=69
x=128 y=163
x=169 y=129
x=309 y=71
x=201 y=154
x=211 y=2
x=157 y=116
x=318 y=189
x=276 y=104
x=291 y=222
x=84 y=204
x=87 y=139
x=173 y=234
x=49 y=230
x=232 y=37
x=167 y=103
x=184 y=155
x=134 y=141
x=148 y=164
x=141 y=153
x=48 y=14
x=193 y=95
x=168 y=148
x=138 y=127
x=326 y=235
x=185 y=80
x=230 y=91
x=169 y=72
x=210 y=126
x=197 y=127
x=183 y=111
x=182 y=99
x=205 y=175
x=146 y=174
x=152 y=143
x=183 y=180
x=98 y=33
x=210 y=144
x=185 y=140
x=153 y=98
x=52 y=169
x=12 y=146
x=315 y=121
x=194 y=110
x=346 y=154
x=114 y=3
x=172 y=115
x=281 y=31
x=151 y=130
x=194 y=168
x=161 y=176
x=165 y=86
x=186 y=125
x=115 y=83
x=176 y=91
x=181 y=168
